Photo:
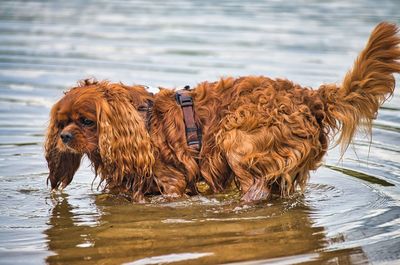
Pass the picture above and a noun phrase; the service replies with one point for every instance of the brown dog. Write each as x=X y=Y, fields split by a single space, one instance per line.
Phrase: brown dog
x=264 y=134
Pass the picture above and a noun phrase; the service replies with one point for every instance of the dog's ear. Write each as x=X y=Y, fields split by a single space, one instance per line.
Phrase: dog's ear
x=124 y=144
x=62 y=165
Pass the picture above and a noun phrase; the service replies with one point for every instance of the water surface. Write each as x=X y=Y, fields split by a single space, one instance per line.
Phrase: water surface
x=349 y=213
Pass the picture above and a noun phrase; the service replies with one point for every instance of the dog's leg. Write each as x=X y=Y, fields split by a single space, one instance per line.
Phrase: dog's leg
x=215 y=171
x=257 y=191
x=253 y=184
x=260 y=168
x=171 y=182
x=243 y=158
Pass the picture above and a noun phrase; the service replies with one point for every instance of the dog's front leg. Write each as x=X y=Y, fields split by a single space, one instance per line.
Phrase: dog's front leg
x=170 y=181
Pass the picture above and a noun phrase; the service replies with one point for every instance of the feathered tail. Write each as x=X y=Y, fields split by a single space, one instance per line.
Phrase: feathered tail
x=365 y=87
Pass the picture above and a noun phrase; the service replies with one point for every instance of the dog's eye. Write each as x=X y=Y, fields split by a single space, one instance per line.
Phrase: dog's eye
x=87 y=122
x=61 y=124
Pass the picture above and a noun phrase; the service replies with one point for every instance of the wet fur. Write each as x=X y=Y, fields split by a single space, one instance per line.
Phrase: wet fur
x=264 y=134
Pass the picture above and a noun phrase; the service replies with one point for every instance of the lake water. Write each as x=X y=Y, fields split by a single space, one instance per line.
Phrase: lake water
x=350 y=212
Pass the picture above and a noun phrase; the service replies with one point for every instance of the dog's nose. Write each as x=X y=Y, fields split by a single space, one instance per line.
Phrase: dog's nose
x=66 y=137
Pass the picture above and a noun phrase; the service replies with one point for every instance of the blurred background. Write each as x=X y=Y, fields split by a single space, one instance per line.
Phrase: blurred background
x=350 y=211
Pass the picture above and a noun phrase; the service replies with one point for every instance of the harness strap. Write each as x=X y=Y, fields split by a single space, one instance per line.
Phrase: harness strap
x=193 y=132
x=145 y=112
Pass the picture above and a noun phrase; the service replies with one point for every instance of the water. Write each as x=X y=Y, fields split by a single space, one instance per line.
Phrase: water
x=350 y=212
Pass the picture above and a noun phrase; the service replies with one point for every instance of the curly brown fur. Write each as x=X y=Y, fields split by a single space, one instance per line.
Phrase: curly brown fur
x=263 y=134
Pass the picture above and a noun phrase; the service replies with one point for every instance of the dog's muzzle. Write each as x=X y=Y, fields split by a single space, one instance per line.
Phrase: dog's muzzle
x=66 y=137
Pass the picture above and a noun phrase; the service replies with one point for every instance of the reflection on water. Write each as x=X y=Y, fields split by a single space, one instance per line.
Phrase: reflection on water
x=196 y=231
x=349 y=213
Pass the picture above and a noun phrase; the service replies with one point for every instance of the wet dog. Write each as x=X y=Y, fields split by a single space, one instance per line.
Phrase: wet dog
x=264 y=134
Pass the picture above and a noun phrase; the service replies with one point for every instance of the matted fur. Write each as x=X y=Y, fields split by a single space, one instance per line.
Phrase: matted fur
x=264 y=134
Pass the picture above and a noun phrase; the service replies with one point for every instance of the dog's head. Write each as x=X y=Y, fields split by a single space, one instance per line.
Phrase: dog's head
x=101 y=120
x=74 y=122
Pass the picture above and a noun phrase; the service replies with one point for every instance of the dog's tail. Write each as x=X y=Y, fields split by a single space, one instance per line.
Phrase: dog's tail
x=365 y=87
